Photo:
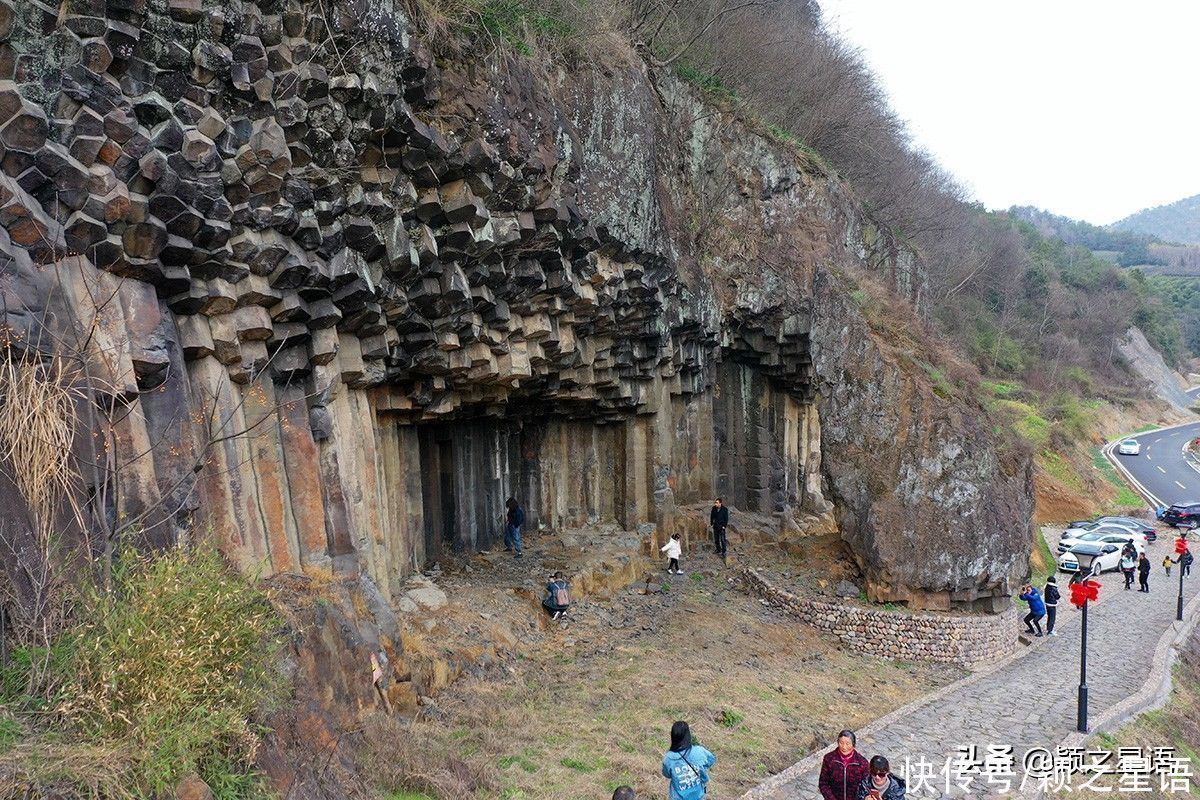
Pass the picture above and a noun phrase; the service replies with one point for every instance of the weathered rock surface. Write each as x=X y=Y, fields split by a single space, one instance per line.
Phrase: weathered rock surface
x=1148 y=363
x=336 y=302
x=356 y=299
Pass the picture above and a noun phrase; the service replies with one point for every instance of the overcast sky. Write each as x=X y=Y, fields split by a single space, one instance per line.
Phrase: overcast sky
x=1088 y=108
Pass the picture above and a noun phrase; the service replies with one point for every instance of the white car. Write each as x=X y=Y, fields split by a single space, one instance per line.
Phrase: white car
x=1129 y=447
x=1108 y=555
x=1077 y=529
x=1118 y=538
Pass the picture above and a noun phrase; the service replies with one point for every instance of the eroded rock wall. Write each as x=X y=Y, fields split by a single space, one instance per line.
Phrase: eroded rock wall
x=353 y=300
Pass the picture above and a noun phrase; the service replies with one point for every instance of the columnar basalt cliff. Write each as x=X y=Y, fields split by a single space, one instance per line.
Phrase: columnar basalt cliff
x=414 y=290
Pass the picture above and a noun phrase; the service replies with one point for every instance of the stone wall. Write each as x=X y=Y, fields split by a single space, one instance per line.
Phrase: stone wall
x=335 y=299
x=969 y=641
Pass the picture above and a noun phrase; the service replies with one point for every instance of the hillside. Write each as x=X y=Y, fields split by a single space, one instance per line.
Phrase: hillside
x=298 y=296
x=1177 y=222
x=1128 y=248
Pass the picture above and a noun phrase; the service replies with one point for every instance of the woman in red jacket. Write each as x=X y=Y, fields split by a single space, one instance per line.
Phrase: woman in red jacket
x=843 y=769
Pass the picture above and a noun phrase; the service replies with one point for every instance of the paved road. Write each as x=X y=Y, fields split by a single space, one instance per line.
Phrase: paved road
x=1031 y=701
x=1194 y=392
x=1161 y=467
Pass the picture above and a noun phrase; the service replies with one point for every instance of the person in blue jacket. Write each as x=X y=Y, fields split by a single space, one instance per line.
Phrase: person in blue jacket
x=1037 y=609
x=686 y=765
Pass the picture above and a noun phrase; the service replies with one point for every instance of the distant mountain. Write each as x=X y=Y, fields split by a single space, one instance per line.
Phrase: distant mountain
x=1177 y=222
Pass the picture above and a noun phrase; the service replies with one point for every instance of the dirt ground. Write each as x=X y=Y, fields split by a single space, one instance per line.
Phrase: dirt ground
x=574 y=710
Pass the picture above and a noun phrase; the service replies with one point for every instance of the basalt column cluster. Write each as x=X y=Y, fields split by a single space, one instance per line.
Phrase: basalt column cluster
x=370 y=294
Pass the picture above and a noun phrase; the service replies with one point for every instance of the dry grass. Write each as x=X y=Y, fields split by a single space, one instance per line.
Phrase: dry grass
x=551 y=29
x=68 y=770
x=591 y=707
x=402 y=761
x=37 y=421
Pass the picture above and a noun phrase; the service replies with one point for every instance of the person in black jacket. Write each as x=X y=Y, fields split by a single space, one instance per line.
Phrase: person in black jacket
x=1144 y=574
x=881 y=784
x=512 y=527
x=1050 y=597
x=719 y=519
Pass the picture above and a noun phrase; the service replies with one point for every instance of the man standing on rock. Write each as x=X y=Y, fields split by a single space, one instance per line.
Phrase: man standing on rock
x=512 y=527
x=719 y=519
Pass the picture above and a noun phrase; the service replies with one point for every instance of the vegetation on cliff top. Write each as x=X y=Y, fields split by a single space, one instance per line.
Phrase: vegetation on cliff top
x=1036 y=307
x=148 y=682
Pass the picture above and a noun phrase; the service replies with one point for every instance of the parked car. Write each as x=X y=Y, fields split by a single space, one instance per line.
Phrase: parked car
x=1183 y=515
x=1108 y=555
x=1102 y=537
x=1078 y=528
x=1142 y=525
x=1129 y=447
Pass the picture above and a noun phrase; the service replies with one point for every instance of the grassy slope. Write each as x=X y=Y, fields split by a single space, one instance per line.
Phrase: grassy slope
x=591 y=708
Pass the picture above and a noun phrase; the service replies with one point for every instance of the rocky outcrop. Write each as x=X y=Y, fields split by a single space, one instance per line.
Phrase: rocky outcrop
x=1148 y=363
x=347 y=301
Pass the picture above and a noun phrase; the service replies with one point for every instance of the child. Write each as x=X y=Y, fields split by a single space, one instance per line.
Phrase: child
x=1167 y=562
x=673 y=549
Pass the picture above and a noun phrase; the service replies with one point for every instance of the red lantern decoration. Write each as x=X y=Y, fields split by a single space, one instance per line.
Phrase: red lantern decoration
x=1181 y=546
x=1084 y=591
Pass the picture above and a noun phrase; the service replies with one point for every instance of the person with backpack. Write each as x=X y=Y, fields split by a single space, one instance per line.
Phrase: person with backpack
x=673 y=549
x=1051 y=596
x=842 y=769
x=686 y=765
x=558 y=596
x=1144 y=573
x=513 y=521
x=881 y=784
x=1037 y=609
x=1128 y=565
x=718 y=518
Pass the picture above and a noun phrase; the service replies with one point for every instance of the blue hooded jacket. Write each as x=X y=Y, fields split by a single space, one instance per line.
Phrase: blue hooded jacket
x=688 y=782
x=1034 y=598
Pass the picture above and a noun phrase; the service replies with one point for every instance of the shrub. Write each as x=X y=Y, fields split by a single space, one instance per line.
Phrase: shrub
x=1027 y=422
x=728 y=718
x=516 y=26
x=164 y=670
x=705 y=81
x=1072 y=422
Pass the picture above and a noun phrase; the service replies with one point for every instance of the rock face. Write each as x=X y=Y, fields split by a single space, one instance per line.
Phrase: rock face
x=354 y=300
x=1148 y=363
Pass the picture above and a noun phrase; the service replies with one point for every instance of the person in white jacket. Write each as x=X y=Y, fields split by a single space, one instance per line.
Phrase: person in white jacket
x=673 y=549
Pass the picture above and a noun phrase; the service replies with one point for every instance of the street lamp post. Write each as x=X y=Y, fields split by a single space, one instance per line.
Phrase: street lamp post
x=1081 y=715
x=1180 y=549
x=1083 y=589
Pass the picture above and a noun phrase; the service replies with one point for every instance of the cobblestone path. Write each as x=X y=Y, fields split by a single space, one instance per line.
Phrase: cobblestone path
x=1030 y=701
